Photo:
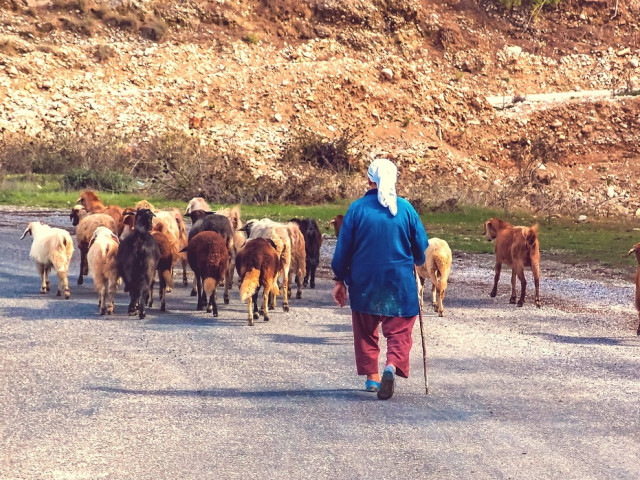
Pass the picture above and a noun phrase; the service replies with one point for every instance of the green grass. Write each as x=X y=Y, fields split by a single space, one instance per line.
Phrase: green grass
x=594 y=245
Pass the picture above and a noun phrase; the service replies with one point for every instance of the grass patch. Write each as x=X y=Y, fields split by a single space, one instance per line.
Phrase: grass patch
x=594 y=245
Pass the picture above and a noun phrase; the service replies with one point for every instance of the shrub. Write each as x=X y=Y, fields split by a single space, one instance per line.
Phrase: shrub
x=534 y=5
x=103 y=53
x=111 y=181
x=340 y=154
x=251 y=39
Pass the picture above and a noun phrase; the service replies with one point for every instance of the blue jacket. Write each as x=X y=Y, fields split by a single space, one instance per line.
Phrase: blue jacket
x=375 y=256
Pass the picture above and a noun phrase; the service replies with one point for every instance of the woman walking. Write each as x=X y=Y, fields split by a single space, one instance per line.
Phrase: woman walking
x=381 y=240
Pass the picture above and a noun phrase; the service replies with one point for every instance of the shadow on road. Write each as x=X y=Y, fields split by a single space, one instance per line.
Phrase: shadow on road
x=282 y=338
x=342 y=393
x=609 y=341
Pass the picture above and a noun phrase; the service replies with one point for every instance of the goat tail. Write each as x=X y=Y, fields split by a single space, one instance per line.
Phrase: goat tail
x=62 y=249
x=209 y=285
x=250 y=284
x=441 y=273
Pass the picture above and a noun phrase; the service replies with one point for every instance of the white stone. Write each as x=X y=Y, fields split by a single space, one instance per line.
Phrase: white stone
x=387 y=73
x=277 y=117
x=582 y=218
x=638 y=212
x=611 y=192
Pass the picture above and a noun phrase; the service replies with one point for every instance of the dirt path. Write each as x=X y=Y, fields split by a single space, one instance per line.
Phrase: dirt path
x=515 y=392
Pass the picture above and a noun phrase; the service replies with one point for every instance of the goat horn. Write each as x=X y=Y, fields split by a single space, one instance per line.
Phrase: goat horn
x=26 y=230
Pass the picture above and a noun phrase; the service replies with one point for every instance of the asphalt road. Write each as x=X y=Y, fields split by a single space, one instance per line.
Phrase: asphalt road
x=514 y=393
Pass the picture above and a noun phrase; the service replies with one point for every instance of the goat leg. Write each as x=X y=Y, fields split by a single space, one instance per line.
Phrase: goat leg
x=312 y=284
x=523 y=284
x=144 y=298
x=83 y=259
x=434 y=302
x=254 y=298
x=43 y=278
x=496 y=277
x=199 y=292
x=227 y=284
x=265 y=301
x=162 y=292
x=535 y=268
x=150 y=302
x=251 y=301
x=512 y=299
x=213 y=306
x=185 y=281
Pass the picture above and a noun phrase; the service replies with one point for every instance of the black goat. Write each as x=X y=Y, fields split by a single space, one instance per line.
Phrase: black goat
x=312 y=243
x=137 y=259
x=212 y=222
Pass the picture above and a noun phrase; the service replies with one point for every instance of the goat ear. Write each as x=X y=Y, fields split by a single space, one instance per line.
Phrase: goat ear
x=126 y=214
x=115 y=237
x=26 y=230
x=492 y=230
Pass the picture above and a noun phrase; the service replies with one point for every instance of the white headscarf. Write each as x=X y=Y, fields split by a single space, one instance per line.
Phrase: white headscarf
x=385 y=174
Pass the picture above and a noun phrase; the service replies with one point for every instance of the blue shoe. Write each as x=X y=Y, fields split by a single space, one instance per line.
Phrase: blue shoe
x=387 y=384
x=371 y=386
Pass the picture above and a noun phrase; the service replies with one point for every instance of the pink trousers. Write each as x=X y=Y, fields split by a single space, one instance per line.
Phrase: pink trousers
x=397 y=331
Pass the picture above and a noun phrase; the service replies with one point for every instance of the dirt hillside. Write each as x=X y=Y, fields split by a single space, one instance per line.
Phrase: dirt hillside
x=414 y=78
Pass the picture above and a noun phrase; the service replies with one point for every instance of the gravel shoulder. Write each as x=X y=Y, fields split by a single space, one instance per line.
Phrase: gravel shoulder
x=514 y=392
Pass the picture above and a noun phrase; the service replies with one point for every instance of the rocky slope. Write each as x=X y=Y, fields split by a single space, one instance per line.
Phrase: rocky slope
x=413 y=76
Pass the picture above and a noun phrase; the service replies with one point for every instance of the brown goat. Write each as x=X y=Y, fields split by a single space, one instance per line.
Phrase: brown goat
x=258 y=265
x=636 y=249
x=165 y=264
x=336 y=223
x=92 y=204
x=208 y=258
x=518 y=247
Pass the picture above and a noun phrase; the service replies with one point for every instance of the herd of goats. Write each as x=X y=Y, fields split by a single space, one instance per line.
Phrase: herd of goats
x=134 y=243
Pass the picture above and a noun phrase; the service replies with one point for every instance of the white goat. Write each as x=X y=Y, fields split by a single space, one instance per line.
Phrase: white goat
x=197 y=203
x=436 y=267
x=51 y=247
x=298 y=257
x=103 y=249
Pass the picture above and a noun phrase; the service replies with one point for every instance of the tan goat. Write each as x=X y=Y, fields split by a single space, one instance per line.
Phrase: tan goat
x=103 y=249
x=436 y=267
x=518 y=247
x=636 y=249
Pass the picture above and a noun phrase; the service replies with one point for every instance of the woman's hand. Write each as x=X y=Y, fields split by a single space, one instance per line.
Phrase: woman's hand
x=340 y=293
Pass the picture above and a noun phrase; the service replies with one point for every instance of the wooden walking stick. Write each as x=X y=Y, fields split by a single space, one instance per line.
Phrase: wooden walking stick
x=424 y=348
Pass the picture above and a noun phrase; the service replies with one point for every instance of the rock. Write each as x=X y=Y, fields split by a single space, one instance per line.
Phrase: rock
x=387 y=73
x=638 y=212
x=277 y=117
x=556 y=123
x=611 y=192
x=623 y=52
x=587 y=129
x=582 y=218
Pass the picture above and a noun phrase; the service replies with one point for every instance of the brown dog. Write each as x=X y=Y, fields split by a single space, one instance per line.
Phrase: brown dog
x=518 y=247
x=636 y=249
